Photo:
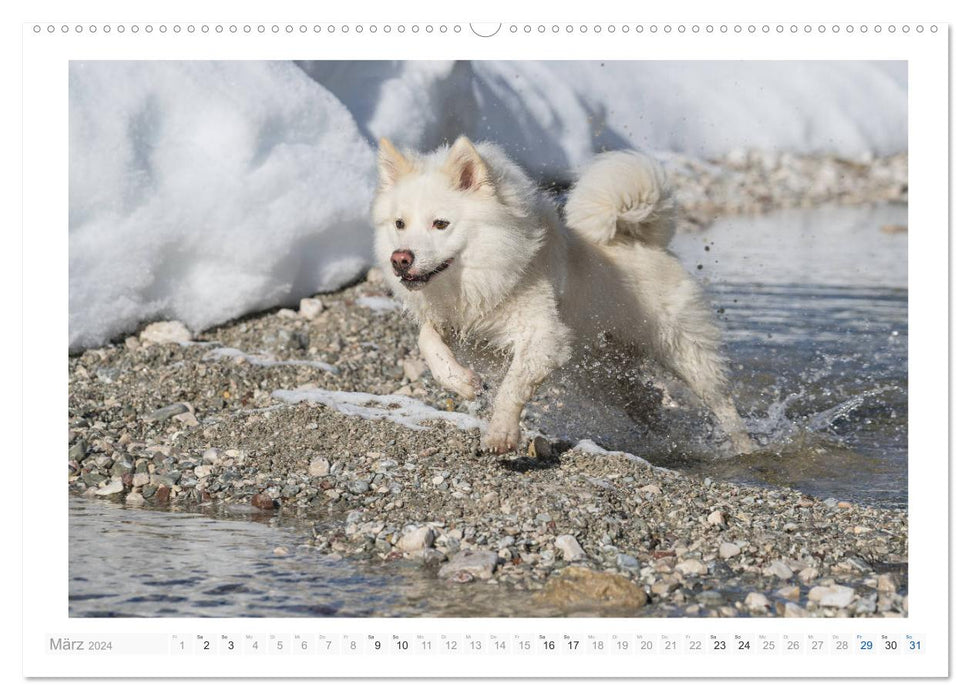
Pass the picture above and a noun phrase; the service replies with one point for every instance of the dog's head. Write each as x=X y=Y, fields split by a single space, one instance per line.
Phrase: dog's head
x=427 y=211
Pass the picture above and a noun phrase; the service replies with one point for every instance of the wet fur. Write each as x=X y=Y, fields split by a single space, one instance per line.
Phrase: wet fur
x=523 y=282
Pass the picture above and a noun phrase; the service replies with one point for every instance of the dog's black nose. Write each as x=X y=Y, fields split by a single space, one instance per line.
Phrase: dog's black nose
x=401 y=260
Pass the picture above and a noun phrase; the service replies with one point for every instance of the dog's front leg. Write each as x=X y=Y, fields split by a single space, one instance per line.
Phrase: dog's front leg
x=532 y=361
x=447 y=371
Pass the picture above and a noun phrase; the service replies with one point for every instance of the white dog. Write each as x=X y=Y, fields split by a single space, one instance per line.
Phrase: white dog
x=475 y=251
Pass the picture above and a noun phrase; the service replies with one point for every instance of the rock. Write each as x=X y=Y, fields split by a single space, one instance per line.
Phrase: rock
x=166 y=412
x=794 y=610
x=834 y=596
x=727 y=550
x=479 y=563
x=692 y=567
x=887 y=583
x=140 y=479
x=134 y=499
x=413 y=369
x=288 y=314
x=778 y=568
x=757 y=602
x=187 y=419
x=358 y=487
x=263 y=501
x=165 y=332
x=212 y=456
x=78 y=451
x=417 y=539
x=808 y=574
x=311 y=308
x=281 y=551
x=717 y=519
x=202 y=471
x=572 y=551
x=112 y=487
x=161 y=495
x=789 y=592
x=319 y=467
x=577 y=588
x=539 y=448
x=626 y=561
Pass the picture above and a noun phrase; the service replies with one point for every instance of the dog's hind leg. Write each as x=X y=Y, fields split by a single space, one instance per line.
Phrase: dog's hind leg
x=687 y=344
x=447 y=370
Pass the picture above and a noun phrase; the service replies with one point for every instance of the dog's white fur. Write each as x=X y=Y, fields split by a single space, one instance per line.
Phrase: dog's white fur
x=520 y=281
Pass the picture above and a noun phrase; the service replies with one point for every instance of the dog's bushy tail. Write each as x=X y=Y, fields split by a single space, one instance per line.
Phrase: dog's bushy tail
x=622 y=195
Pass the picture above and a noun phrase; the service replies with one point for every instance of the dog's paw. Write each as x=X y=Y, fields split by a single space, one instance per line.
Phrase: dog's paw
x=500 y=439
x=468 y=386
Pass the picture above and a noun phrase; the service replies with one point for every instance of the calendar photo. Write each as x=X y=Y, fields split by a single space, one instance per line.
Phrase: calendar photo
x=488 y=338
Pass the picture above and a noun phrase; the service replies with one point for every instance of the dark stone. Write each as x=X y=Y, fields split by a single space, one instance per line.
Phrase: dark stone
x=263 y=502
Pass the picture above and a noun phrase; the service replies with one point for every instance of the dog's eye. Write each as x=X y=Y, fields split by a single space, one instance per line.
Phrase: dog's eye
x=399 y=224
x=440 y=224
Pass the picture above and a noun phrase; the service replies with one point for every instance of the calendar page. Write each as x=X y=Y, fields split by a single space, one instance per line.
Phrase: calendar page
x=428 y=348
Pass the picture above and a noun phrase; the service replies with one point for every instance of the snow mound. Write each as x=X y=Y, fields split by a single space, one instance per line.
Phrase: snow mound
x=553 y=116
x=403 y=410
x=202 y=191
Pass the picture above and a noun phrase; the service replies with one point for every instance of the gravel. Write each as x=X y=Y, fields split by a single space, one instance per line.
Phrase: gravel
x=161 y=421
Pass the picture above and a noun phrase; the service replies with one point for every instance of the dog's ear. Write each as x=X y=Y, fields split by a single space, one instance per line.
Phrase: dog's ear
x=466 y=167
x=392 y=164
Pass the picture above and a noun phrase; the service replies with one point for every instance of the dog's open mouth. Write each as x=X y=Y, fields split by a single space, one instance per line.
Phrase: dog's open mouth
x=418 y=281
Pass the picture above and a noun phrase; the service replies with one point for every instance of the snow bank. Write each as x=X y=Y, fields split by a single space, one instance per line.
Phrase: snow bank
x=554 y=115
x=202 y=191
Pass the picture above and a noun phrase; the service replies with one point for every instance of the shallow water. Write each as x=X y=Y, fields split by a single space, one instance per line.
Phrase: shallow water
x=813 y=308
x=137 y=562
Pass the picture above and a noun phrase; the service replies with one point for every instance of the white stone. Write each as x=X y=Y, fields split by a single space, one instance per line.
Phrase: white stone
x=203 y=470
x=166 y=332
x=187 y=419
x=140 y=479
x=834 y=596
x=211 y=456
x=134 y=499
x=727 y=550
x=757 y=601
x=112 y=487
x=416 y=539
x=887 y=583
x=808 y=574
x=692 y=567
x=570 y=547
x=794 y=610
x=778 y=568
x=311 y=308
x=319 y=467
x=716 y=518
x=478 y=563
